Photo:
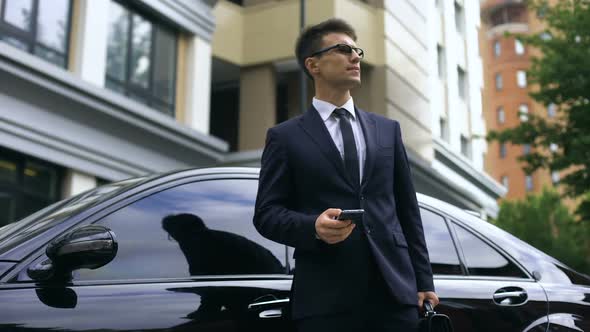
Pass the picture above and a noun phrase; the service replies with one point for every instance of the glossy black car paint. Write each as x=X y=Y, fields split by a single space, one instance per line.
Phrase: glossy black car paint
x=238 y=302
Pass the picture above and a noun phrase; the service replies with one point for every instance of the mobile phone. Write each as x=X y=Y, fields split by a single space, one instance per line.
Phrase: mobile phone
x=354 y=215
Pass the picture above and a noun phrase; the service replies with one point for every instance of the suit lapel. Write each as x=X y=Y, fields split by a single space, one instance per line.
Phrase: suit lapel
x=370 y=133
x=314 y=126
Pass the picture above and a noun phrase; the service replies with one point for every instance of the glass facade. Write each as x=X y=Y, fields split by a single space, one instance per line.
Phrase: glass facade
x=38 y=27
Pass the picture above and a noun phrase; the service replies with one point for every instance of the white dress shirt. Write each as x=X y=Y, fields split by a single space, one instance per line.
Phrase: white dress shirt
x=332 y=123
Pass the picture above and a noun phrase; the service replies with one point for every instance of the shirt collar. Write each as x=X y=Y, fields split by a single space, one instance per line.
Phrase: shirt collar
x=325 y=108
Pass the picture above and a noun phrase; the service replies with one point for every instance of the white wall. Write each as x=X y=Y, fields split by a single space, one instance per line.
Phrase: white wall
x=90 y=51
x=76 y=182
x=198 y=84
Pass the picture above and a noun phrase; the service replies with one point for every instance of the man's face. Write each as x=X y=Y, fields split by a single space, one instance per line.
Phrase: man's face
x=335 y=67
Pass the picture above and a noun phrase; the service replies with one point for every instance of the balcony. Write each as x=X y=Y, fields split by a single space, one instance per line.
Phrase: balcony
x=500 y=12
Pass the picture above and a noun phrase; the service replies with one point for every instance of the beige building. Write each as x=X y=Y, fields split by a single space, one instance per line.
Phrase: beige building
x=422 y=67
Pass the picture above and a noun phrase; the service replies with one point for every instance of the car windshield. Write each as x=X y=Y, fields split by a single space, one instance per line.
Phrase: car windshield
x=14 y=233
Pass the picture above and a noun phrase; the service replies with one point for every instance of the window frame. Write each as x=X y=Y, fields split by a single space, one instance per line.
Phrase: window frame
x=497 y=48
x=500 y=115
x=451 y=222
x=454 y=240
x=455 y=222
x=528 y=179
x=175 y=184
x=521 y=76
x=503 y=150
x=31 y=38
x=127 y=87
x=498 y=82
x=96 y=214
x=519 y=48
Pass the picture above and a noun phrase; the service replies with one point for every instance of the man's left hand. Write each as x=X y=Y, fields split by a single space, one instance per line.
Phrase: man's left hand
x=427 y=296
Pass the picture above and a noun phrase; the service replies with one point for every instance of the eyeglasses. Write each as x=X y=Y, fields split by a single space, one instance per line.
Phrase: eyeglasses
x=341 y=48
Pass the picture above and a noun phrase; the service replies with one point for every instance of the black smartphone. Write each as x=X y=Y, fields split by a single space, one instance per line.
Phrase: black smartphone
x=354 y=215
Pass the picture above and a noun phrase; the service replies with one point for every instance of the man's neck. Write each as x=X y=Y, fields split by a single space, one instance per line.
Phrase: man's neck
x=333 y=96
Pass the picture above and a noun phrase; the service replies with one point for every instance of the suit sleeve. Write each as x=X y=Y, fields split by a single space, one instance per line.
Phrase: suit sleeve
x=409 y=215
x=272 y=217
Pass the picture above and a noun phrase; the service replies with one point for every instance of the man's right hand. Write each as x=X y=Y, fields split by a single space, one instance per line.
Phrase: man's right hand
x=331 y=230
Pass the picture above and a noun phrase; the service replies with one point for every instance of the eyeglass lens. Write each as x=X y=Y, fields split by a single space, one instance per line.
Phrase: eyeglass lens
x=347 y=49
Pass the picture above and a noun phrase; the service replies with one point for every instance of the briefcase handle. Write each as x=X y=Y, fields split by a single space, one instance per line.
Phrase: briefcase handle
x=429 y=310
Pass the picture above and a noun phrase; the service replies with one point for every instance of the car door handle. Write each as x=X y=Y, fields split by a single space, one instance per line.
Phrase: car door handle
x=510 y=296
x=275 y=308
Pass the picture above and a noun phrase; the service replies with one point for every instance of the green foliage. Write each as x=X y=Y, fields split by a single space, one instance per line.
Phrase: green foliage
x=544 y=222
x=562 y=75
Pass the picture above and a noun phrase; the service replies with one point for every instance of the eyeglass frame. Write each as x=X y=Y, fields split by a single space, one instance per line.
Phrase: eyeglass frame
x=352 y=48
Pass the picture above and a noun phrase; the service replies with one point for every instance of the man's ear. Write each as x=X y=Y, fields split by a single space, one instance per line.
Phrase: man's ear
x=312 y=65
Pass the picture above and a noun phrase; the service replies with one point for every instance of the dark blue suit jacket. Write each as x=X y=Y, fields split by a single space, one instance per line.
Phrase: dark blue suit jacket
x=302 y=175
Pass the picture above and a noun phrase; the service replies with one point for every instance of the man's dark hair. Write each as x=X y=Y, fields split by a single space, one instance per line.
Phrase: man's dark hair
x=310 y=40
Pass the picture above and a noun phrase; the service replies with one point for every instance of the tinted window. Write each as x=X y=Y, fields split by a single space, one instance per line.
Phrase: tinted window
x=141 y=58
x=37 y=27
x=483 y=260
x=199 y=228
x=442 y=252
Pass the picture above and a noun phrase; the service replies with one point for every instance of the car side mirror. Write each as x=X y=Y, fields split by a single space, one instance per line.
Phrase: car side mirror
x=88 y=247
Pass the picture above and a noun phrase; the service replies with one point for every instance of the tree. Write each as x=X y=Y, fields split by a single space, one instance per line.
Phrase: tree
x=545 y=223
x=561 y=77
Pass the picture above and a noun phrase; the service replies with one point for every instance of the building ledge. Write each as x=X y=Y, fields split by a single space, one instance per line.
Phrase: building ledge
x=63 y=82
x=499 y=30
x=484 y=182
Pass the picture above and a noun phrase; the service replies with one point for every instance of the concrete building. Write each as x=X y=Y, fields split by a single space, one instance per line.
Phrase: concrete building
x=505 y=98
x=422 y=67
x=95 y=91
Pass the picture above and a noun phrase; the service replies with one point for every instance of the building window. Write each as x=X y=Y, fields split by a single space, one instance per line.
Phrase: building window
x=546 y=35
x=555 y=177
x=502 y=150
x=518 y=47
x=504 y=180
x=466 y=146
x=444 y=129
x=497 y=48
x=509 y=14
x=141 y=58
x=523 y=112
x=521 y=78
x=551 y=110
x=459 y=19
x=462 y=82
x=501 y=115
x=526 y=149
x=499 y=82
x=38 y=27
x=528 y=182
x=26 y=185
x=441 y=61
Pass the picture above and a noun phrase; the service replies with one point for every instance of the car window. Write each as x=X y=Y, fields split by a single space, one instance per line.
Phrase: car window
x=441 y=250
x=575 y=278
x=483 y=260
x=199 y=228
x=13 y=234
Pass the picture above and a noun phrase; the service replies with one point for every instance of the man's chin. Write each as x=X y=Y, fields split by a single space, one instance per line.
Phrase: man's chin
x=352 y=83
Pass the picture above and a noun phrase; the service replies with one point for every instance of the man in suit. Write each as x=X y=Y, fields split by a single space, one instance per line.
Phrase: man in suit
x=368 y=275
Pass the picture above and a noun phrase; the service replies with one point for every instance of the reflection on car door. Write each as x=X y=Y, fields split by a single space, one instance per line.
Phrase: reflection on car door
x=480 y=289
x=189 y=259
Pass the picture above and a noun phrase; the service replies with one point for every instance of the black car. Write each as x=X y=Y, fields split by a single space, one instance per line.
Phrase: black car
x=178 y=252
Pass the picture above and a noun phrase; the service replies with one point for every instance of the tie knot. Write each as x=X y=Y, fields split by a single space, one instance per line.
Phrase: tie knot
x=340 y=112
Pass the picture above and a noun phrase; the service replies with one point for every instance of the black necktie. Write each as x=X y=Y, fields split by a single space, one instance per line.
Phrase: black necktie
x=351 y=160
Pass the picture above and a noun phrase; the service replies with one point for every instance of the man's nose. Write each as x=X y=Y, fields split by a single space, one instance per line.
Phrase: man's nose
x=355 y=58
